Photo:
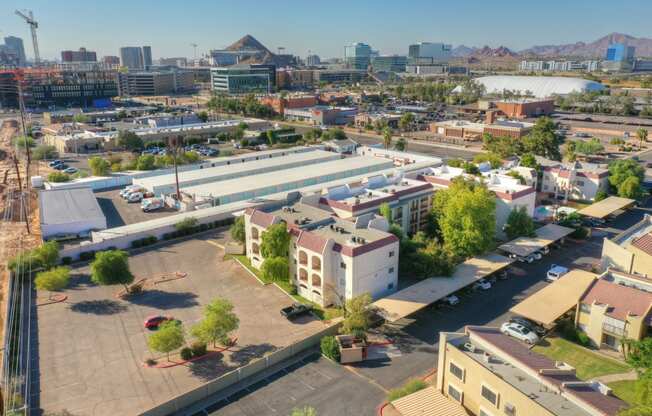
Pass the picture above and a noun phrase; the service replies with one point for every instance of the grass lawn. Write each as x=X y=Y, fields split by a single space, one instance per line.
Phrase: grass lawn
x=287 y=287
x=587 y=363
x=634 y=392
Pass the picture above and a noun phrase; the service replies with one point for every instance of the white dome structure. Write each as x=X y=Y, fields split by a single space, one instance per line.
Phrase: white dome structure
x=540 y=87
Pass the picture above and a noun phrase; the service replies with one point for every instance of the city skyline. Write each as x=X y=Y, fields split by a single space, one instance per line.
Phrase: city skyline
x=298 y=30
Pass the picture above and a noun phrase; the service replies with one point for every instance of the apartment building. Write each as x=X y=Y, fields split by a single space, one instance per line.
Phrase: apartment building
x=616 y=306
x=631 y=250
x=510 y=194
x=491 y=374
x=331 y=259
x=576 y=180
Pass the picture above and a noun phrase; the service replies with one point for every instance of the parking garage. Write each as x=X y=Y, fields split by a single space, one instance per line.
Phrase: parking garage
x=525 y=247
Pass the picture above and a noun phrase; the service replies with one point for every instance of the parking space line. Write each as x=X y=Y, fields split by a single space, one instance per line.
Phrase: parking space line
x=216 y=244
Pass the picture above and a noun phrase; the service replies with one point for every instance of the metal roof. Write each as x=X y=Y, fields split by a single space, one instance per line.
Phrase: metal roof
x=64 y=206
x=546 y=235
x=606 y=207
x=428 y=402
x=540 y=87
x=554 y=300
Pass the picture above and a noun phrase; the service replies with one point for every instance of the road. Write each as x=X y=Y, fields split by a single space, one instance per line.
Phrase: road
x=417 y=336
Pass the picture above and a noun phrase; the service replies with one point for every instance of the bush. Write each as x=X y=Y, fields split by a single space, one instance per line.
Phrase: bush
x=146 y=241
x=44 y=151
x=409 y=388
x=150 y=361
x=567 y=330
x=87 y=255
x=580 y=233
x=66 y=260
x=275 y=269
x=330 y=348
x=58 y=177
x=198 y=349
x=186 y=353
x=44 y=257
x=186 y=224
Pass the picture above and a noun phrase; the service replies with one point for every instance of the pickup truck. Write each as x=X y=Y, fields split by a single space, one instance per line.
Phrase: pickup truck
x=295 y=310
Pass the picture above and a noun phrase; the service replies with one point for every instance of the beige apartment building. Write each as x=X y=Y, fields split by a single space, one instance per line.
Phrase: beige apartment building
x=575 y=181
x=491 y=374
x=631 y=250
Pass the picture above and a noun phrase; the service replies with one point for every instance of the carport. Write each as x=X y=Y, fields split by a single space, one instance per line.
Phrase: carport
x=609 y=206
x=413 y=298
x=556 y=299
x=428 y=402
x=546 y=235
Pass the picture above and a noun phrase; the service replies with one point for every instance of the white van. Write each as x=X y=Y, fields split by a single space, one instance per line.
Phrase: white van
x=555 y=273
x=151 y=204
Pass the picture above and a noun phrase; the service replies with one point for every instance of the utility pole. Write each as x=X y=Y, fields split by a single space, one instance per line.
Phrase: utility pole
x=20 y=189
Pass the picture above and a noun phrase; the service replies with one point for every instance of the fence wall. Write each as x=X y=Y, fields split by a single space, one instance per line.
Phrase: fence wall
x=219 y=384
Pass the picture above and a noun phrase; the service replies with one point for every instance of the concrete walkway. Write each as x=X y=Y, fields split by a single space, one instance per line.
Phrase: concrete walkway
x=610 y=378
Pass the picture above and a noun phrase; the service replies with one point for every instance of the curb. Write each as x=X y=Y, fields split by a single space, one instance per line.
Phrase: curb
x=250 y=272
x=50 y=301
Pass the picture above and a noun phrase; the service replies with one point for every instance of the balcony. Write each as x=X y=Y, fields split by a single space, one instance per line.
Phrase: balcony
x=613 y=329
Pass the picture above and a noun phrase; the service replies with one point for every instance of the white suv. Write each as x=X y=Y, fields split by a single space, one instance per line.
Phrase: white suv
x=519 y=332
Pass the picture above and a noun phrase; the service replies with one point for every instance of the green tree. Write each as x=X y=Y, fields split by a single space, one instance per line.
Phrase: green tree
x=641 y=134
x=53 y=280
x=44 y=151
x=45 y=257
x=168 y=338
x=386 y=211
x=529 y=161
x=129 y=140
x=23 y=142
x=431 y=260
x=387 y=137
x=637 y=410
x=275 y=269
x=588 y=147
x=99 y=166
x=600 y=195
x=304 y=411
x=186 y=224
x=519 y=224
x=401 y=145
x=492 y=158
x=271 y=137
x=146 y=162
x=543 y=140
x=275 y=241
x=622 y=169
x=58 y=177
x=80 y=118
x=333 y=134
x=202 y=116
x=357 y=315
x=631 y=188
x=502 y=146
x=111 y=267
x=238 y=230
x=639 y=356
x=406 y=121
x=218 y=322
x=467 y=218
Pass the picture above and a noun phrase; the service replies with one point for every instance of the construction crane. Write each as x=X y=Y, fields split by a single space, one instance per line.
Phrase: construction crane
x=33 y=25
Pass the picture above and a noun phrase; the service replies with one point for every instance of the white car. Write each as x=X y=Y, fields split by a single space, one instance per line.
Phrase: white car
x=134 y=197
x=451 y=300
x=519 y=332
x=482 y=284
x=537 y=255
x=556 y=272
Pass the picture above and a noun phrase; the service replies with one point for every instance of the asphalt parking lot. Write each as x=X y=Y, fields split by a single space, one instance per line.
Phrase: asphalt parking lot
x=88 y=351
x=119 y=212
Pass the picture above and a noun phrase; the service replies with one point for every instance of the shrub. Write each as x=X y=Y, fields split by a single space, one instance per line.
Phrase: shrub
x=409 y=388
x=43 y=257
x=58 y=177
x=275 y=269
x=330 y=348
x=66 y=260
x=198 y=349
x=150 y=361
x=580 y=233
x=186 y=225
x=567 y=330
x=186 y=353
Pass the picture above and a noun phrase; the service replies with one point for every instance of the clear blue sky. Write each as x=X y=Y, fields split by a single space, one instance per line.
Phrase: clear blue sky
x=321 y=26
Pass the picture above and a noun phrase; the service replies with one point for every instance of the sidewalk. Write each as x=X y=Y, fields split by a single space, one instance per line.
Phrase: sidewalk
x=610 y=378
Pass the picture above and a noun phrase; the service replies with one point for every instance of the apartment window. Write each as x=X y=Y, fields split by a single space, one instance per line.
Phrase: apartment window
x=510 y=409
x=391 y=253
x=484 y=413
x=454 y=393
x=343 y=265
x=579 y=183
x=585 y=308
x=391 y=270
x=390 y=286
x=456 y=371
x=489 y=395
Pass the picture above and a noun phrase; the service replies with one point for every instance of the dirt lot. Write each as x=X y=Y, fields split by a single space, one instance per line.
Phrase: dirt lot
x=91 y=347
x=119 y=212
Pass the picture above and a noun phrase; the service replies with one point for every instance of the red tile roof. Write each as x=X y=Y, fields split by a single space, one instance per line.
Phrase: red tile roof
x=622 y=300
x=644 y=243
x=262 y=219
x=311 y=242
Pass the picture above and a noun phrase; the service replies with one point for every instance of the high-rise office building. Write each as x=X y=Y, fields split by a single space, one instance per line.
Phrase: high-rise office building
x=132 y=57
x=82 y=55
x=619 y=57
x=147 y=56
x=437 y=52
x=15 y=45
x=111 y=60
x=358 y=55
x=313 y=60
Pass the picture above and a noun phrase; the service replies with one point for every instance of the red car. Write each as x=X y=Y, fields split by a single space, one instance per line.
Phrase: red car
x=153 y=322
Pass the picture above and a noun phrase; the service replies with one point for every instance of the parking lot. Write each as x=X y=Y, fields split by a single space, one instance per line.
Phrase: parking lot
x=88 y=351
x=119 y=212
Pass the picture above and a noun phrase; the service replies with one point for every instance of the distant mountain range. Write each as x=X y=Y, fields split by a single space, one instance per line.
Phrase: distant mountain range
x=595 y=49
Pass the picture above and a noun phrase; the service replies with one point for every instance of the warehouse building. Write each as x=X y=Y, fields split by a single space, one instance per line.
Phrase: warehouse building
x=251 y=187
x=166 y=184
x=69 y=213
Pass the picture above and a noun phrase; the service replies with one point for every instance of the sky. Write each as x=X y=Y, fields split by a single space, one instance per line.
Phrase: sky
x=322 y=27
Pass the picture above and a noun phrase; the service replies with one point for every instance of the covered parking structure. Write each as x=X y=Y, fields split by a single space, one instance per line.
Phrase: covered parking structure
x=555 y=300
x=612 y=205
x=413 y=298
x=525 y=246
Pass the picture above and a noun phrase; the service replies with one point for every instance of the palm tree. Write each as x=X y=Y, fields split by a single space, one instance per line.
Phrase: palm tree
x=387 y=137
x=642 y=137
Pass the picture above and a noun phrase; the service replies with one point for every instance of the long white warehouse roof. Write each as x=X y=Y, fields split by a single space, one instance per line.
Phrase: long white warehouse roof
x=236 y=169
x=288 y=179
x=541 y=87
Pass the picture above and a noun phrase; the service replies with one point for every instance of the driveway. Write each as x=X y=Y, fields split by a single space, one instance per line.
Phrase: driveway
x=88 y=351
